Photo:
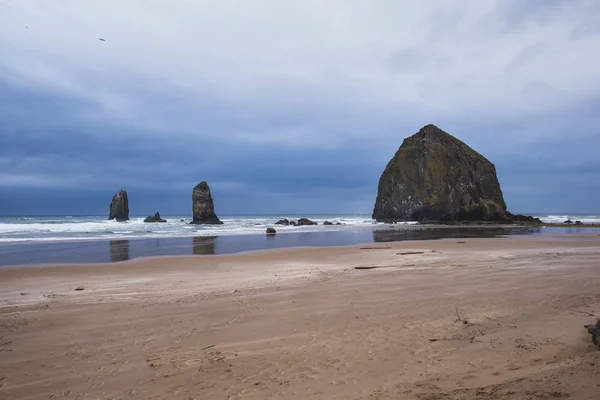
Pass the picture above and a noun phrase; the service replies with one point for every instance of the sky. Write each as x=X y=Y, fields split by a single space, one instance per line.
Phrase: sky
x=290 y=107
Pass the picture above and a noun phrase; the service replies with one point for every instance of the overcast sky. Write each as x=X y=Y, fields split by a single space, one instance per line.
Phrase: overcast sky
x=290 y=106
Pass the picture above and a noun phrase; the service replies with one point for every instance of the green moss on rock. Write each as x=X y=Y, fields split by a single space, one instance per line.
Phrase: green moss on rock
x=435 y=177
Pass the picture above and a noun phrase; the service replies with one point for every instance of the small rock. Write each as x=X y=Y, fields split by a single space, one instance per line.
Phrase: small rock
x=578 y=223
x=305 y=222
x=271 y=231
x=24 y=294
x=568 y=222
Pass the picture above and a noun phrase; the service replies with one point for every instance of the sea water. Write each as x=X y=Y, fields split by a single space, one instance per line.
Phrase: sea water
x=69 y=228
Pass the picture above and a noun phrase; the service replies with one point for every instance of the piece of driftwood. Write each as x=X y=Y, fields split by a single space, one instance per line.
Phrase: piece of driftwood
x=406 y=253
x=594 y=330
x=375 y=248
x=383 y=266
x=457 y=314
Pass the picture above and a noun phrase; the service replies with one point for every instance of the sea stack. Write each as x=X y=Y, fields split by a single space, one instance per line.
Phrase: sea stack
x=119 y=206
x=155 y=218
x=203 y=206
x=435 y=177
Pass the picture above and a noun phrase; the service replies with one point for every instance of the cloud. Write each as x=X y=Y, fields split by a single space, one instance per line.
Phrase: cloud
x=413 y=59
x=301 y=102
x=526 y=54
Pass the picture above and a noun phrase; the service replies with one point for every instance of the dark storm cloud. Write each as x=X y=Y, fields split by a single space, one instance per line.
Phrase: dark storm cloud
x=298 y=114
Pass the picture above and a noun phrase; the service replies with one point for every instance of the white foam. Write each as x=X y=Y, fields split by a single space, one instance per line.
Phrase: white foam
x=51 y=229
x=557 y=219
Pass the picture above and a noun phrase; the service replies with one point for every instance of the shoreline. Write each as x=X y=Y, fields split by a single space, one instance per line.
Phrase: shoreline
x=305 y=323
x=122 y=249
x=190 y=260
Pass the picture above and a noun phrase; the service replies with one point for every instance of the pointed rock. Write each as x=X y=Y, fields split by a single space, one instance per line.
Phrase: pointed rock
x=119 y=206
x=435 y=177
x=155 y=218
x=203 y=206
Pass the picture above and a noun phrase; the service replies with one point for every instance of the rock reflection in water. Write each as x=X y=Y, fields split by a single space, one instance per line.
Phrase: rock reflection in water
x=433 y=233
x=204 y=245
x=119 y=250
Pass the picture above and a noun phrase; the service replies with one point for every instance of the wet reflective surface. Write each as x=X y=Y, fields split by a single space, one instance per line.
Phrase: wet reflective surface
x=123 y=249
x=119 y=250
x=204 y=245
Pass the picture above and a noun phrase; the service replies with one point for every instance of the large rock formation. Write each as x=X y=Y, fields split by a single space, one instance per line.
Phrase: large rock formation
x=119 y=206
x=435 y=177
x=203 y=206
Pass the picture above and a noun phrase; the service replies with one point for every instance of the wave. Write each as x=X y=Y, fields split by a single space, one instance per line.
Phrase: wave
x=49 y=229
x=560 y=218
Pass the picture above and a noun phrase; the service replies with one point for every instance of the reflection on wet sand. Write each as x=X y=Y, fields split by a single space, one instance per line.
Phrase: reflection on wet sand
x=449 y=232
x=119 y=250
x=204 y=245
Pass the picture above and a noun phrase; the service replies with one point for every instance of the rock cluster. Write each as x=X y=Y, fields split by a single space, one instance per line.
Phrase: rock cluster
x=119 y=207
x=155 y=218
x=519 y=218
x=285 y=222
x=306 y=222
x=300 y=222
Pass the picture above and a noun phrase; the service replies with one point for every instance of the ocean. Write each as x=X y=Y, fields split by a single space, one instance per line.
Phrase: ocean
x=70 y=228
x=93 y=239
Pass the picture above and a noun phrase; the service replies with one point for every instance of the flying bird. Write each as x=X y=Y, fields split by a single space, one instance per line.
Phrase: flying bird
x=102 y=40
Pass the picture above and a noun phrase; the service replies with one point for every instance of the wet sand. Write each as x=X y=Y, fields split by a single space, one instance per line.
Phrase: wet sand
x=117 y=250
x=449 y=319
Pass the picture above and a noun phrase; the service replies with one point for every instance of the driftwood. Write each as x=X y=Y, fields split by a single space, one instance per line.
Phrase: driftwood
x=406 y=253
x=383 y=266
x=594 y=330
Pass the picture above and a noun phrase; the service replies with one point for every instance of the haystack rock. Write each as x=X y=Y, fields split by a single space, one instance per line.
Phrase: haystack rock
x=119 y=206
x=203 y=206
x=435 y=177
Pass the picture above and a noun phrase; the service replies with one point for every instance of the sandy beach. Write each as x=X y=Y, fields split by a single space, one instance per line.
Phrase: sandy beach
x=449 y=319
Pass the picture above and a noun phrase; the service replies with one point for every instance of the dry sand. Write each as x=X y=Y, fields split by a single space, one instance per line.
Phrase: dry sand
x=305 y=324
